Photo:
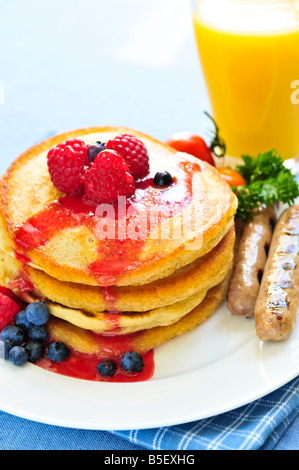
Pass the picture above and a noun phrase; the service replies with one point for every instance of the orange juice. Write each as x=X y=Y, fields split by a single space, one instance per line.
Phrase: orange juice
x=249 y=52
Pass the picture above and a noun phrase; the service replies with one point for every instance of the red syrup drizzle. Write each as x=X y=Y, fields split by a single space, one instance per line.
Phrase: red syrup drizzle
x=118 y=256
x=131 y=224
x=110 y=297
x=111 y=320
x=21 y=283
x=115 y=255
x=22 y=258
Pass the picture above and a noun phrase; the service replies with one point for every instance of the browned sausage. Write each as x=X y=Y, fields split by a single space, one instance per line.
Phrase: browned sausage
x=278 y=300
x=250 y=260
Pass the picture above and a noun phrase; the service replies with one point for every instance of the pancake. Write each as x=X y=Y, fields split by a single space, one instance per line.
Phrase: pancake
x=62 y=238
x=201 y=275
x=111 y=290
x=123 y=322
x=86 y=342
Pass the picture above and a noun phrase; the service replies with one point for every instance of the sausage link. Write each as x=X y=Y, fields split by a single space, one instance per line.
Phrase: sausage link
x=250 y=260
x=278 y=300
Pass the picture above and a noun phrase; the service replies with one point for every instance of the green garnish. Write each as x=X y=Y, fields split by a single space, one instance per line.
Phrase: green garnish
x=268 y=181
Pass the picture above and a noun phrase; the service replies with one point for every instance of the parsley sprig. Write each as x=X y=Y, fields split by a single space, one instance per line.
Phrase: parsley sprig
x=267 y=181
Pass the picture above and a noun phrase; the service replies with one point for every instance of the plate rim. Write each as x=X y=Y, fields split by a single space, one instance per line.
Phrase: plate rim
x=60 y=387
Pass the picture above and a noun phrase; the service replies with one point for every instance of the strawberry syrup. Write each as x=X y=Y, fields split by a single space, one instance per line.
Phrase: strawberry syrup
x=84 y=367
x=111 y=347
x=129 y=224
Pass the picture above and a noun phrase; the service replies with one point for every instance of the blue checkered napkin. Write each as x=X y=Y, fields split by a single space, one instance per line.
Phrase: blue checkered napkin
x=258 y=425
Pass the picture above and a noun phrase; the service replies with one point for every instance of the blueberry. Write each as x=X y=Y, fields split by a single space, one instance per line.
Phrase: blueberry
x=38 y=313
x=132 y=362
x=58 y=352
x=14 y=334
x=163 y=179
x=5 y=347
x=18 y=356
x=107 y=368
x=21 y=320
x=38 y=332
x=35 y=350
x=94 y=150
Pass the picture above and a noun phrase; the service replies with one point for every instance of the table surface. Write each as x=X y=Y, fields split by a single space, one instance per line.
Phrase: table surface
x=68 y=64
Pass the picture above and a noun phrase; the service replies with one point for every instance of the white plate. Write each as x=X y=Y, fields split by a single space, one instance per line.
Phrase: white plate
x=218 y=367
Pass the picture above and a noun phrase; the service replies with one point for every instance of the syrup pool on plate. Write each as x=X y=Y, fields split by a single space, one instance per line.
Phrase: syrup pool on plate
x=84 y=367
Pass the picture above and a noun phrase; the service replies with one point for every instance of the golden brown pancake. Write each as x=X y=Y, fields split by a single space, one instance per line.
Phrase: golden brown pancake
x=210 y=271
x=40 y=225
x=86 y=342
x=166 y=274
x=123 y=322
x=201 y=275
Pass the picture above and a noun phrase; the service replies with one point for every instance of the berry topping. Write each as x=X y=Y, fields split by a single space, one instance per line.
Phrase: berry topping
x=21 y=320
x=18 y=356
x=8 y=310
x=132 y=362
x=35 y=350
x=108 y=178
x=58 y=352
x=38 y=332
x=107 y=368
x=163 y=179
x=133 y=152
x=38 y=313
x=14 y=334
x=94 y=150
x=66 y=163
x=9 y=293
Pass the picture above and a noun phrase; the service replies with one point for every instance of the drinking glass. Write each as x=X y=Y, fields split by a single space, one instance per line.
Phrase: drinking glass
x=249 y=53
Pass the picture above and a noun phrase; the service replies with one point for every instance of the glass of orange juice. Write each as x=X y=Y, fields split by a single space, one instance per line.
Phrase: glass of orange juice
x=249 y=53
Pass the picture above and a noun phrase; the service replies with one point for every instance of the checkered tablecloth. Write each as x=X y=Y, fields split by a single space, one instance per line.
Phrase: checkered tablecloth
x=271 y=422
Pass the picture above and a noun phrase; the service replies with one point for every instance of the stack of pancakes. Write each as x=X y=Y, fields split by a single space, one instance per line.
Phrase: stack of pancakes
x=147 y=288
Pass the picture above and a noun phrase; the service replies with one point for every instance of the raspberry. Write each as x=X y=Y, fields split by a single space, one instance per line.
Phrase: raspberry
x=66 y=163
x=8 y=310
x=9 y=293
x=108 y=178
x=133 y=152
